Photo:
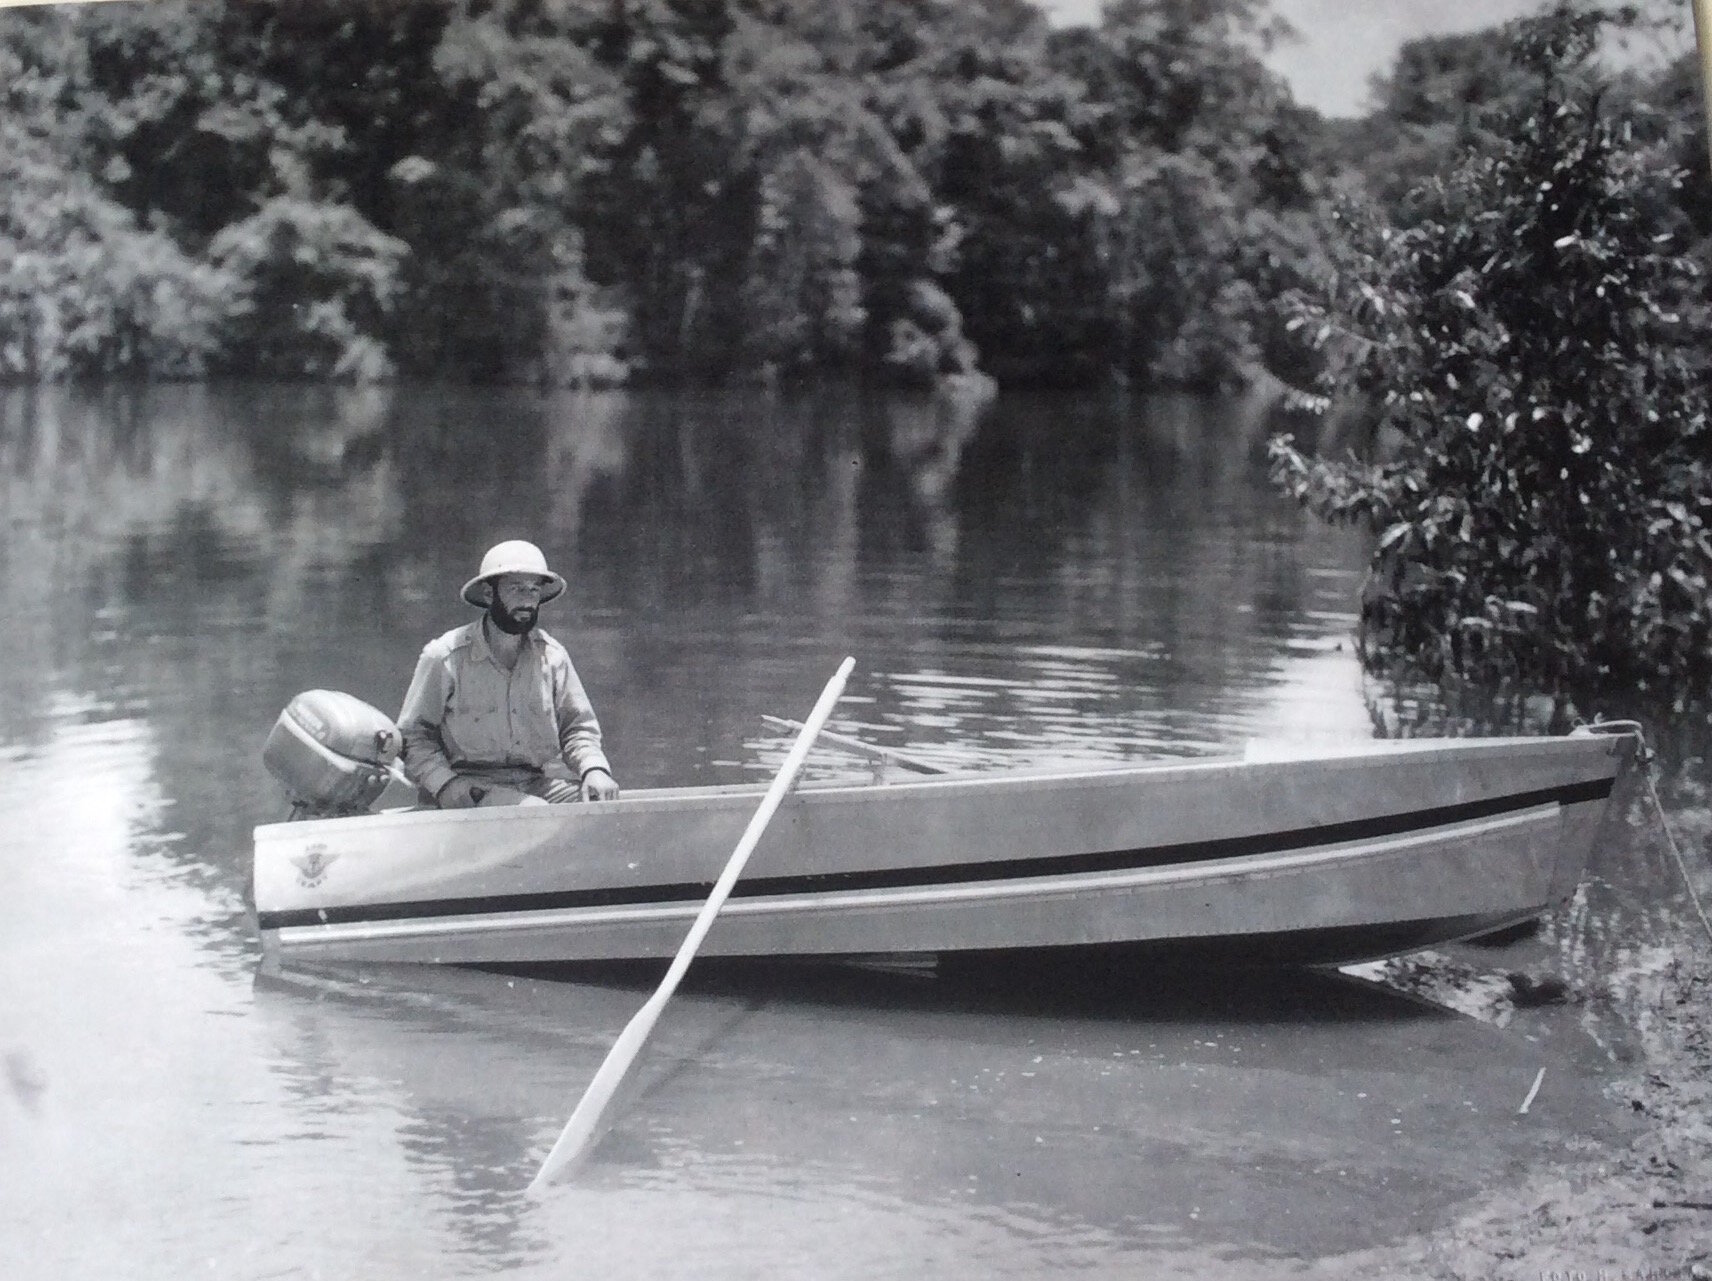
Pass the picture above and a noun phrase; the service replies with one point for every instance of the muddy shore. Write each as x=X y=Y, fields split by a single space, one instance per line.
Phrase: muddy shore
x=1642 y=1209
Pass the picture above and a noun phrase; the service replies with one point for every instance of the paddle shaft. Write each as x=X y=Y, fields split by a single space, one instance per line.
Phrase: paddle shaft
x=580 y=1129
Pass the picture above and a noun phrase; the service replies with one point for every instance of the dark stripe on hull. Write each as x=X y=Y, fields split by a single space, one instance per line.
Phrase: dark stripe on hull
x=1188 y=852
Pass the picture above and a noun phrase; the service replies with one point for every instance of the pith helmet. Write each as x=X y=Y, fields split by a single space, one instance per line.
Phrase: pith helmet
x=512 y=557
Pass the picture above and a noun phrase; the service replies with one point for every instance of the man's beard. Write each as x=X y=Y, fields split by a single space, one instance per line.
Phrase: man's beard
x=513 y=622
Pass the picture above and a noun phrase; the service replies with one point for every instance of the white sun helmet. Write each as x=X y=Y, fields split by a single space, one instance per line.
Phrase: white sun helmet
x=512 y=557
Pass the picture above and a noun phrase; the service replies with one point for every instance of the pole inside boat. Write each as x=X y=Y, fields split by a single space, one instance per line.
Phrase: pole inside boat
x=885 y=755
x=580 y=1130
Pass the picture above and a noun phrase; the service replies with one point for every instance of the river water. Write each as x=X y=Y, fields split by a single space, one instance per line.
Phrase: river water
x=1032 y=580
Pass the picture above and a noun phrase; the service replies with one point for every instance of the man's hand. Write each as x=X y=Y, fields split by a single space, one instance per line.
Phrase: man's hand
x=598 y=785
x=460 y=794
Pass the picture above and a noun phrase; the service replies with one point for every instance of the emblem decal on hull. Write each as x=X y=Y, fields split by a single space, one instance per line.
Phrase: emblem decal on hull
x=312 y=866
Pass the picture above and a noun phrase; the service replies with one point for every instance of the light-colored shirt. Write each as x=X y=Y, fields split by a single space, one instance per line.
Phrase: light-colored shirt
x=464 y=709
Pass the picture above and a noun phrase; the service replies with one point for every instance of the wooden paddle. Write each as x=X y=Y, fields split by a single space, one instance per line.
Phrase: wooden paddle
x=580 y=1130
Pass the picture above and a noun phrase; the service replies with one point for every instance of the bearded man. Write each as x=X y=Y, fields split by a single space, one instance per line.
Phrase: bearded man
x=494 y=702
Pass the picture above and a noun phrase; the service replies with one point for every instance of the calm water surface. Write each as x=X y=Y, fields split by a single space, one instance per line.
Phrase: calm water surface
x=1044 y=580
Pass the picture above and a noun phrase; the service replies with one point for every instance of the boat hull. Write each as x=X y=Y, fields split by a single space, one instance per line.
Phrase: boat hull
x=1346 y=856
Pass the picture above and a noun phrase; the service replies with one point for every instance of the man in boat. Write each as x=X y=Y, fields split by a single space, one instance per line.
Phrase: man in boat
x=495 y=702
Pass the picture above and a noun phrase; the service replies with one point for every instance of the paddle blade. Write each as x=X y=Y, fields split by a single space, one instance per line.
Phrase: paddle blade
x=580 y=1131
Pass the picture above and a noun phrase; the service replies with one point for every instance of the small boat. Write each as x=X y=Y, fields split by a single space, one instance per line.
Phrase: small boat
x=1363 y=851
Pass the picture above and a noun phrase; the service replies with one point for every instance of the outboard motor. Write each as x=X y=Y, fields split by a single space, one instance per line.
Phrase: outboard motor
x=333 y=753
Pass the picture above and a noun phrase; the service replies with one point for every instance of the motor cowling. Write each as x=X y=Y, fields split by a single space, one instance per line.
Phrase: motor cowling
x=332 y=752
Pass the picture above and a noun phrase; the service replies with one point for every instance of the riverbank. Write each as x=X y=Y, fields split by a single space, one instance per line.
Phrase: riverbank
x=1645 y=1210
x=1639 y=1209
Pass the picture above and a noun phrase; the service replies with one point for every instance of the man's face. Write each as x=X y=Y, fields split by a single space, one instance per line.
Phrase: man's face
x=516 y=602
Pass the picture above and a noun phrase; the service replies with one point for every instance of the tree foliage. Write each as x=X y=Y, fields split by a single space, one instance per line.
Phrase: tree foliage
x=1533 y=337
x=698 y=189
x=85 y=289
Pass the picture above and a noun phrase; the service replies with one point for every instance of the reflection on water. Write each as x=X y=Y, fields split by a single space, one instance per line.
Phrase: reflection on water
x=1034 y=580
x=995 y=1128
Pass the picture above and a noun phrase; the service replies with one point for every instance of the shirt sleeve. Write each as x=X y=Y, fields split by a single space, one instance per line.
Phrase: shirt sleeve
x=419 y=722
x=579 y=731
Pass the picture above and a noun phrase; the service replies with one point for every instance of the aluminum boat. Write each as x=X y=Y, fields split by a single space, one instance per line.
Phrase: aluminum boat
x=1364 y=851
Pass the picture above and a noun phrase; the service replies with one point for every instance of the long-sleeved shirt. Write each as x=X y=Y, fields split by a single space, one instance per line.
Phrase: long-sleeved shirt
x=464 y=709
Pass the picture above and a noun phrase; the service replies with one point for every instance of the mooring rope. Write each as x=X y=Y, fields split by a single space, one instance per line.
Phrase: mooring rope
x=1670 y=838
x=1675 y=852
x=1645 y=756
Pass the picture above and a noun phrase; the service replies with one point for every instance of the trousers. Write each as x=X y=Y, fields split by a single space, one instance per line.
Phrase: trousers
x=513 y=785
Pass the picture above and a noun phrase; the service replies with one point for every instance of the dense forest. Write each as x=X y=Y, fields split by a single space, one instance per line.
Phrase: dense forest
x=599 y=191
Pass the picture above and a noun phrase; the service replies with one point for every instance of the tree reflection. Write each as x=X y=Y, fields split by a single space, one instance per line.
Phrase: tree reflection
x=1096 y=576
